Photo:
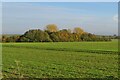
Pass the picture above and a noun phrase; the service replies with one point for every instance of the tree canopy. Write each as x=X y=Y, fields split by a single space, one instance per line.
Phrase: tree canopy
x=35 y=36
x=78 y=30
x=51 y=28
x=52 y=34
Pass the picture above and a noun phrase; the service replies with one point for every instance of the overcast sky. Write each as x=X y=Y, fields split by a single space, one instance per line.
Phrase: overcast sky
x=93 y=17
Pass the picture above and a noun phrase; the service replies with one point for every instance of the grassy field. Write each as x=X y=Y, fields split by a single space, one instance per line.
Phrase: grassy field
x=62 y=60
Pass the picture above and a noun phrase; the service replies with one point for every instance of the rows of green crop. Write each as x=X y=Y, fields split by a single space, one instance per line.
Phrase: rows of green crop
x=48 y=63
x=64 y=47
x=65 y=60
x=106 y=46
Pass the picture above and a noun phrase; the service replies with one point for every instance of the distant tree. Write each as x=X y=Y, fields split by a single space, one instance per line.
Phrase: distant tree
x=78 y=30
x=84 y=37
x=51 y=33
x=4 y=38
x=51 y=28
x=35 y=36
x=76 y=37
x=23 y=39
x=54 y=37
x=12 y=38
x=64 y=35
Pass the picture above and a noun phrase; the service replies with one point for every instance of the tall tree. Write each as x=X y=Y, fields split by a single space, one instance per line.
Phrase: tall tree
x=78 y=30
x=51 y=28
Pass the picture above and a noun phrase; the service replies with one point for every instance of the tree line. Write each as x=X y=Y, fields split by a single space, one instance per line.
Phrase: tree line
x=53 y=34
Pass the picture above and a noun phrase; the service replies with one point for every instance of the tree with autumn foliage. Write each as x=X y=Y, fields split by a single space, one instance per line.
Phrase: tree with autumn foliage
x=78 y=30
x=52 y=34
x=51 y=28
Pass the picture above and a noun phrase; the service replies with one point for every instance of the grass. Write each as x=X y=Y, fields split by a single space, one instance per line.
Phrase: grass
x=61 y=60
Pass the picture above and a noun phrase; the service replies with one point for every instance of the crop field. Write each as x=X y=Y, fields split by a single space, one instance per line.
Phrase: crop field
x=60 y=60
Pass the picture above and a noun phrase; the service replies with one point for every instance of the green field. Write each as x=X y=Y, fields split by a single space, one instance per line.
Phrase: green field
x=60 y=60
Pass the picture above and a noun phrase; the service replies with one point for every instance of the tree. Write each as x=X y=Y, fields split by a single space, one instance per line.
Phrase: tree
x=85 y=37
x=23 y=39
x=54 y=37
x=52 y=34
x=35 y=36
x=78 y=30
x=4 y=38
x=51 y=28
x=64 y=35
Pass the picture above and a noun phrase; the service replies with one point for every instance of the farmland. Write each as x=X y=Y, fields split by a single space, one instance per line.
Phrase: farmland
x=60 y=59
